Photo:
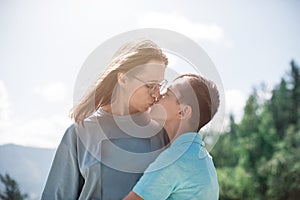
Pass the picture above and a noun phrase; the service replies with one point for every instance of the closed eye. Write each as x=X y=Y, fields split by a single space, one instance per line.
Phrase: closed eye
x=151 y=85
x=166 y=94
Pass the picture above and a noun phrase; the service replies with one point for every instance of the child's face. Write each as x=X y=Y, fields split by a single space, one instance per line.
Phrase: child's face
x=170 y=100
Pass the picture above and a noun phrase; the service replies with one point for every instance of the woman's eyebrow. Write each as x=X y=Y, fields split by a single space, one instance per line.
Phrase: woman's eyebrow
x=152 y=81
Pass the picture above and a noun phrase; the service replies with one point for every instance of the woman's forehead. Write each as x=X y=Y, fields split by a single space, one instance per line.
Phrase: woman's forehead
x=150 y=72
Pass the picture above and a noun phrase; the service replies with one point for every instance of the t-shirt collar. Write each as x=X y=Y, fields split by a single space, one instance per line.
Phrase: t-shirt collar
x=188 y=138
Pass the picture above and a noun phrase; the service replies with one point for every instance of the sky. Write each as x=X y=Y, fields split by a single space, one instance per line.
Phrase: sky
x=44 y=44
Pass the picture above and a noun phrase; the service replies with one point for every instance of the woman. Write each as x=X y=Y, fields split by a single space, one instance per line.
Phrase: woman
x=104 y=153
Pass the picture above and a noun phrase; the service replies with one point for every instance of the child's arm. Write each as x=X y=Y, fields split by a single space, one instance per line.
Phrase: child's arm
x=132 y=196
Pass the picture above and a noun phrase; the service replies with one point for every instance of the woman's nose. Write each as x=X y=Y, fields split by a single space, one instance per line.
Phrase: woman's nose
x=156 y=95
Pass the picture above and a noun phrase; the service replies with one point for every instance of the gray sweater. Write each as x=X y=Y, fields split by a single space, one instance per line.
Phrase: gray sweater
x=105 y=158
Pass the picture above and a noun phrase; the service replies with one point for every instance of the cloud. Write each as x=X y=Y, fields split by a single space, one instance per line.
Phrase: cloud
x=181 y=24
x=4 y=103
x=52 y=92
x=5 y=109
x=40 y=132
x=235 y=102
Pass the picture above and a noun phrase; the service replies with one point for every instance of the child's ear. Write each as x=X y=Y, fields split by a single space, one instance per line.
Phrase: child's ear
x=185 y=111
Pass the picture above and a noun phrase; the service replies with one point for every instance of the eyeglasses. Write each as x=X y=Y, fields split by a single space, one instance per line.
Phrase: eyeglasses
x=153 y=87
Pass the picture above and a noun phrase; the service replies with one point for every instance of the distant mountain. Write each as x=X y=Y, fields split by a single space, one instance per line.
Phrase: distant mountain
x=29 y=166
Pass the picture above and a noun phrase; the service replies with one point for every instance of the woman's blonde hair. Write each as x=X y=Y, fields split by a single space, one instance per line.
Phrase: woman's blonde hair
x=126 y=58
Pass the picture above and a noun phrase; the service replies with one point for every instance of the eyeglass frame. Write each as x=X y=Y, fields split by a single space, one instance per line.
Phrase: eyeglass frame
x=151 y=89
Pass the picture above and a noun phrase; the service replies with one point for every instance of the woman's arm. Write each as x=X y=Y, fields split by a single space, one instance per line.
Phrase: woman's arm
x=64 y=180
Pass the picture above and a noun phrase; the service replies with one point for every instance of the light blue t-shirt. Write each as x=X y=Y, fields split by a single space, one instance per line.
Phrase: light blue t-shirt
x=185 y=170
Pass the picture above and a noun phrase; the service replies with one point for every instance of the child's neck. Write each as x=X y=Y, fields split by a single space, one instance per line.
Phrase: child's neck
x=176 y=129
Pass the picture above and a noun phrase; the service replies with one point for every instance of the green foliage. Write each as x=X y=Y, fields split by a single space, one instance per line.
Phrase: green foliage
x=12 y=191
x=251 y=116
x=283 y=169
x=226 y=148
x=295 y=92
x=235 y=183
x=259 y=158
x=280 y=107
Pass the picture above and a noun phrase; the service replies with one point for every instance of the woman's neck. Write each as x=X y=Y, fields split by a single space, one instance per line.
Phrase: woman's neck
x=120 y=104
x=118 y=109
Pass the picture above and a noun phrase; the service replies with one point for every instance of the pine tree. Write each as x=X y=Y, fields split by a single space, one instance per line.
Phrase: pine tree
x=295 y=93
x=281 y=107
x=226 y=147
x=12 y=191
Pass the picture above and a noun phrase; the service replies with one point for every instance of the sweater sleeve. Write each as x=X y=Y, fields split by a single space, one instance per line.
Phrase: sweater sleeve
x=64 y=180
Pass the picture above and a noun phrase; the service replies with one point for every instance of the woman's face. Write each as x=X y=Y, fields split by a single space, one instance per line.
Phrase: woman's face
x=144 y=85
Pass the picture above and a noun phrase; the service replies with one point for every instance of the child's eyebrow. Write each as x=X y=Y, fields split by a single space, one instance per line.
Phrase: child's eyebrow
x=170 y=90
x=175 y=92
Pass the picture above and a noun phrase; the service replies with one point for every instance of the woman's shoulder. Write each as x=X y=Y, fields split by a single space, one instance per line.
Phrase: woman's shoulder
x=70 y=133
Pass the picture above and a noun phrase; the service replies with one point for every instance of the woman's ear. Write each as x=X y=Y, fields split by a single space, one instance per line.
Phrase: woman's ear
x=185 y=112
x=121 y=78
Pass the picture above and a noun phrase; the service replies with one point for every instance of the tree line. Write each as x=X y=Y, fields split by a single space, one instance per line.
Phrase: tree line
x=259 y=157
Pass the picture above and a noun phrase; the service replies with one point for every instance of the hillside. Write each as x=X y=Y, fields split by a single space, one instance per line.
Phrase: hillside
x=29 y=166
